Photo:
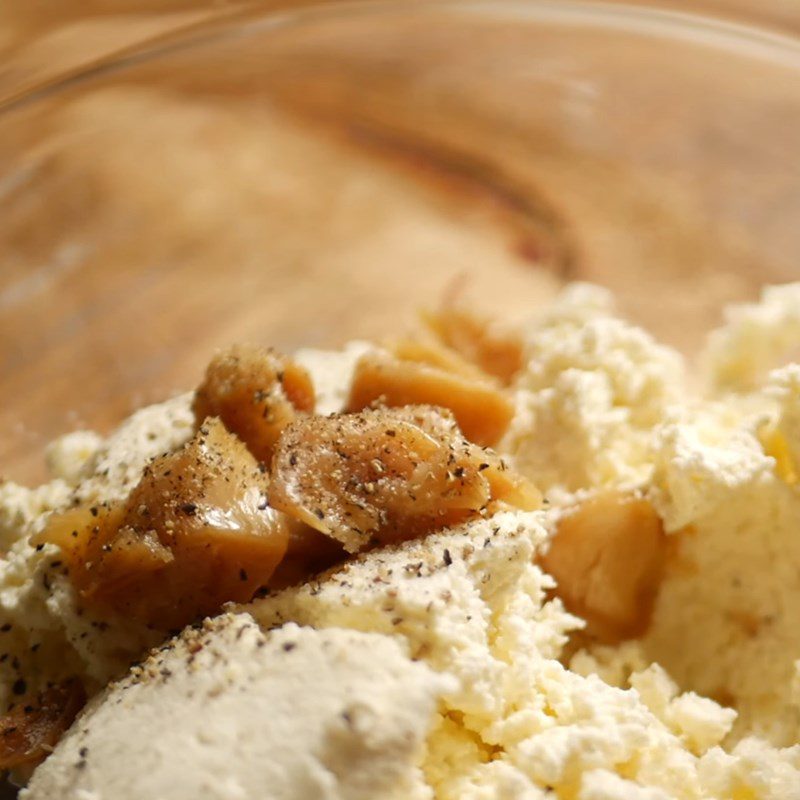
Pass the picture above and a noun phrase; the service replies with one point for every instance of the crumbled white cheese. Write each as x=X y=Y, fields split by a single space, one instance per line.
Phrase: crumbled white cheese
x=701 y=723
x=754 y=339
x=725 y=621
x=614 y=664
x=496 y=713
x=593 y=390
x=783 y=387
x=471 y=604
x=118 y=463
x=22 y=509
x=68 y=456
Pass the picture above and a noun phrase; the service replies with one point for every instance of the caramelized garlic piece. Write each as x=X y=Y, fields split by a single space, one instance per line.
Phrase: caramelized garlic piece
x=256 y=392
x=483 y=411
x=30 y=730
x=430 y=351
x=309 y=552
x=194 y=533
x=496 y=350
x=385 y=475
x=607 y=557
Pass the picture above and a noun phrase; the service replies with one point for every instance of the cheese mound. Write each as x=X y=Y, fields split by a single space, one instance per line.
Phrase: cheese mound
x=474 y=681
x=234 y=713
x=593 y=390
x=472 y=604
x=504 y=718
x=756 y=338
x=725 y=622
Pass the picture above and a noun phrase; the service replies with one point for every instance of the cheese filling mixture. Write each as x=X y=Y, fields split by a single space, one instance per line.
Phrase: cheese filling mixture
x=468 y=564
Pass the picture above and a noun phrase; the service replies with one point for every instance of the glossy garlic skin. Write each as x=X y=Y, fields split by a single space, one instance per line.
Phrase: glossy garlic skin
x=30 y=730
x=607 y=556
x=194 y=533
x=385 y=475
x=256 y=392
x=482 y=409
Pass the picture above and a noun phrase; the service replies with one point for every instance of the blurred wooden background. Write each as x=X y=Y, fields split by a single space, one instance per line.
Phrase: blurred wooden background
x=404 y=233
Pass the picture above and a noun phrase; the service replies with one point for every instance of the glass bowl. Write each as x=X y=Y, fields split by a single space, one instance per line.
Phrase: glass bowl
x=309 y=176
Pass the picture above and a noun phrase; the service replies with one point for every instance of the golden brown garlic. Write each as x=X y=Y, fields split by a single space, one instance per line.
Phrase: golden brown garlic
x=496 y=351
x=607 y=557
x=256 y=392
x=194 y=533
x=31 y=728
x=482 y=409
x=385 y=475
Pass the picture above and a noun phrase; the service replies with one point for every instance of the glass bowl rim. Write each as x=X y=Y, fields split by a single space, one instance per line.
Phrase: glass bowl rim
x=781 y=48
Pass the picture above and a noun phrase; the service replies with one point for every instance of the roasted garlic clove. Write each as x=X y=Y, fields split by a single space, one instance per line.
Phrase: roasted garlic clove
x=379 y=476
x=31 y=728
x=428 y=350
x=607 y=556
x=482 y=410
x=194 y=533
x=497 y=350
x=256 y=392
x=309 y=552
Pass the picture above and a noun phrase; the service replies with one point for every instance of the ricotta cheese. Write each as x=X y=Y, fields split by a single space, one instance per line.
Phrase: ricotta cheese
x=592 y=392
x=448 y=668
x=228 y=712
x=725 y=622
x=472 y=604
x=754 y=339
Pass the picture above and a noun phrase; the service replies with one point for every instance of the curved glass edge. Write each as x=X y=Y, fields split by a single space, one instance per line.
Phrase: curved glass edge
x=755 y=42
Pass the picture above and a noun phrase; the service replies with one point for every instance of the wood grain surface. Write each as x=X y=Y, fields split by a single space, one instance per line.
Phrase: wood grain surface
x=322 y=182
